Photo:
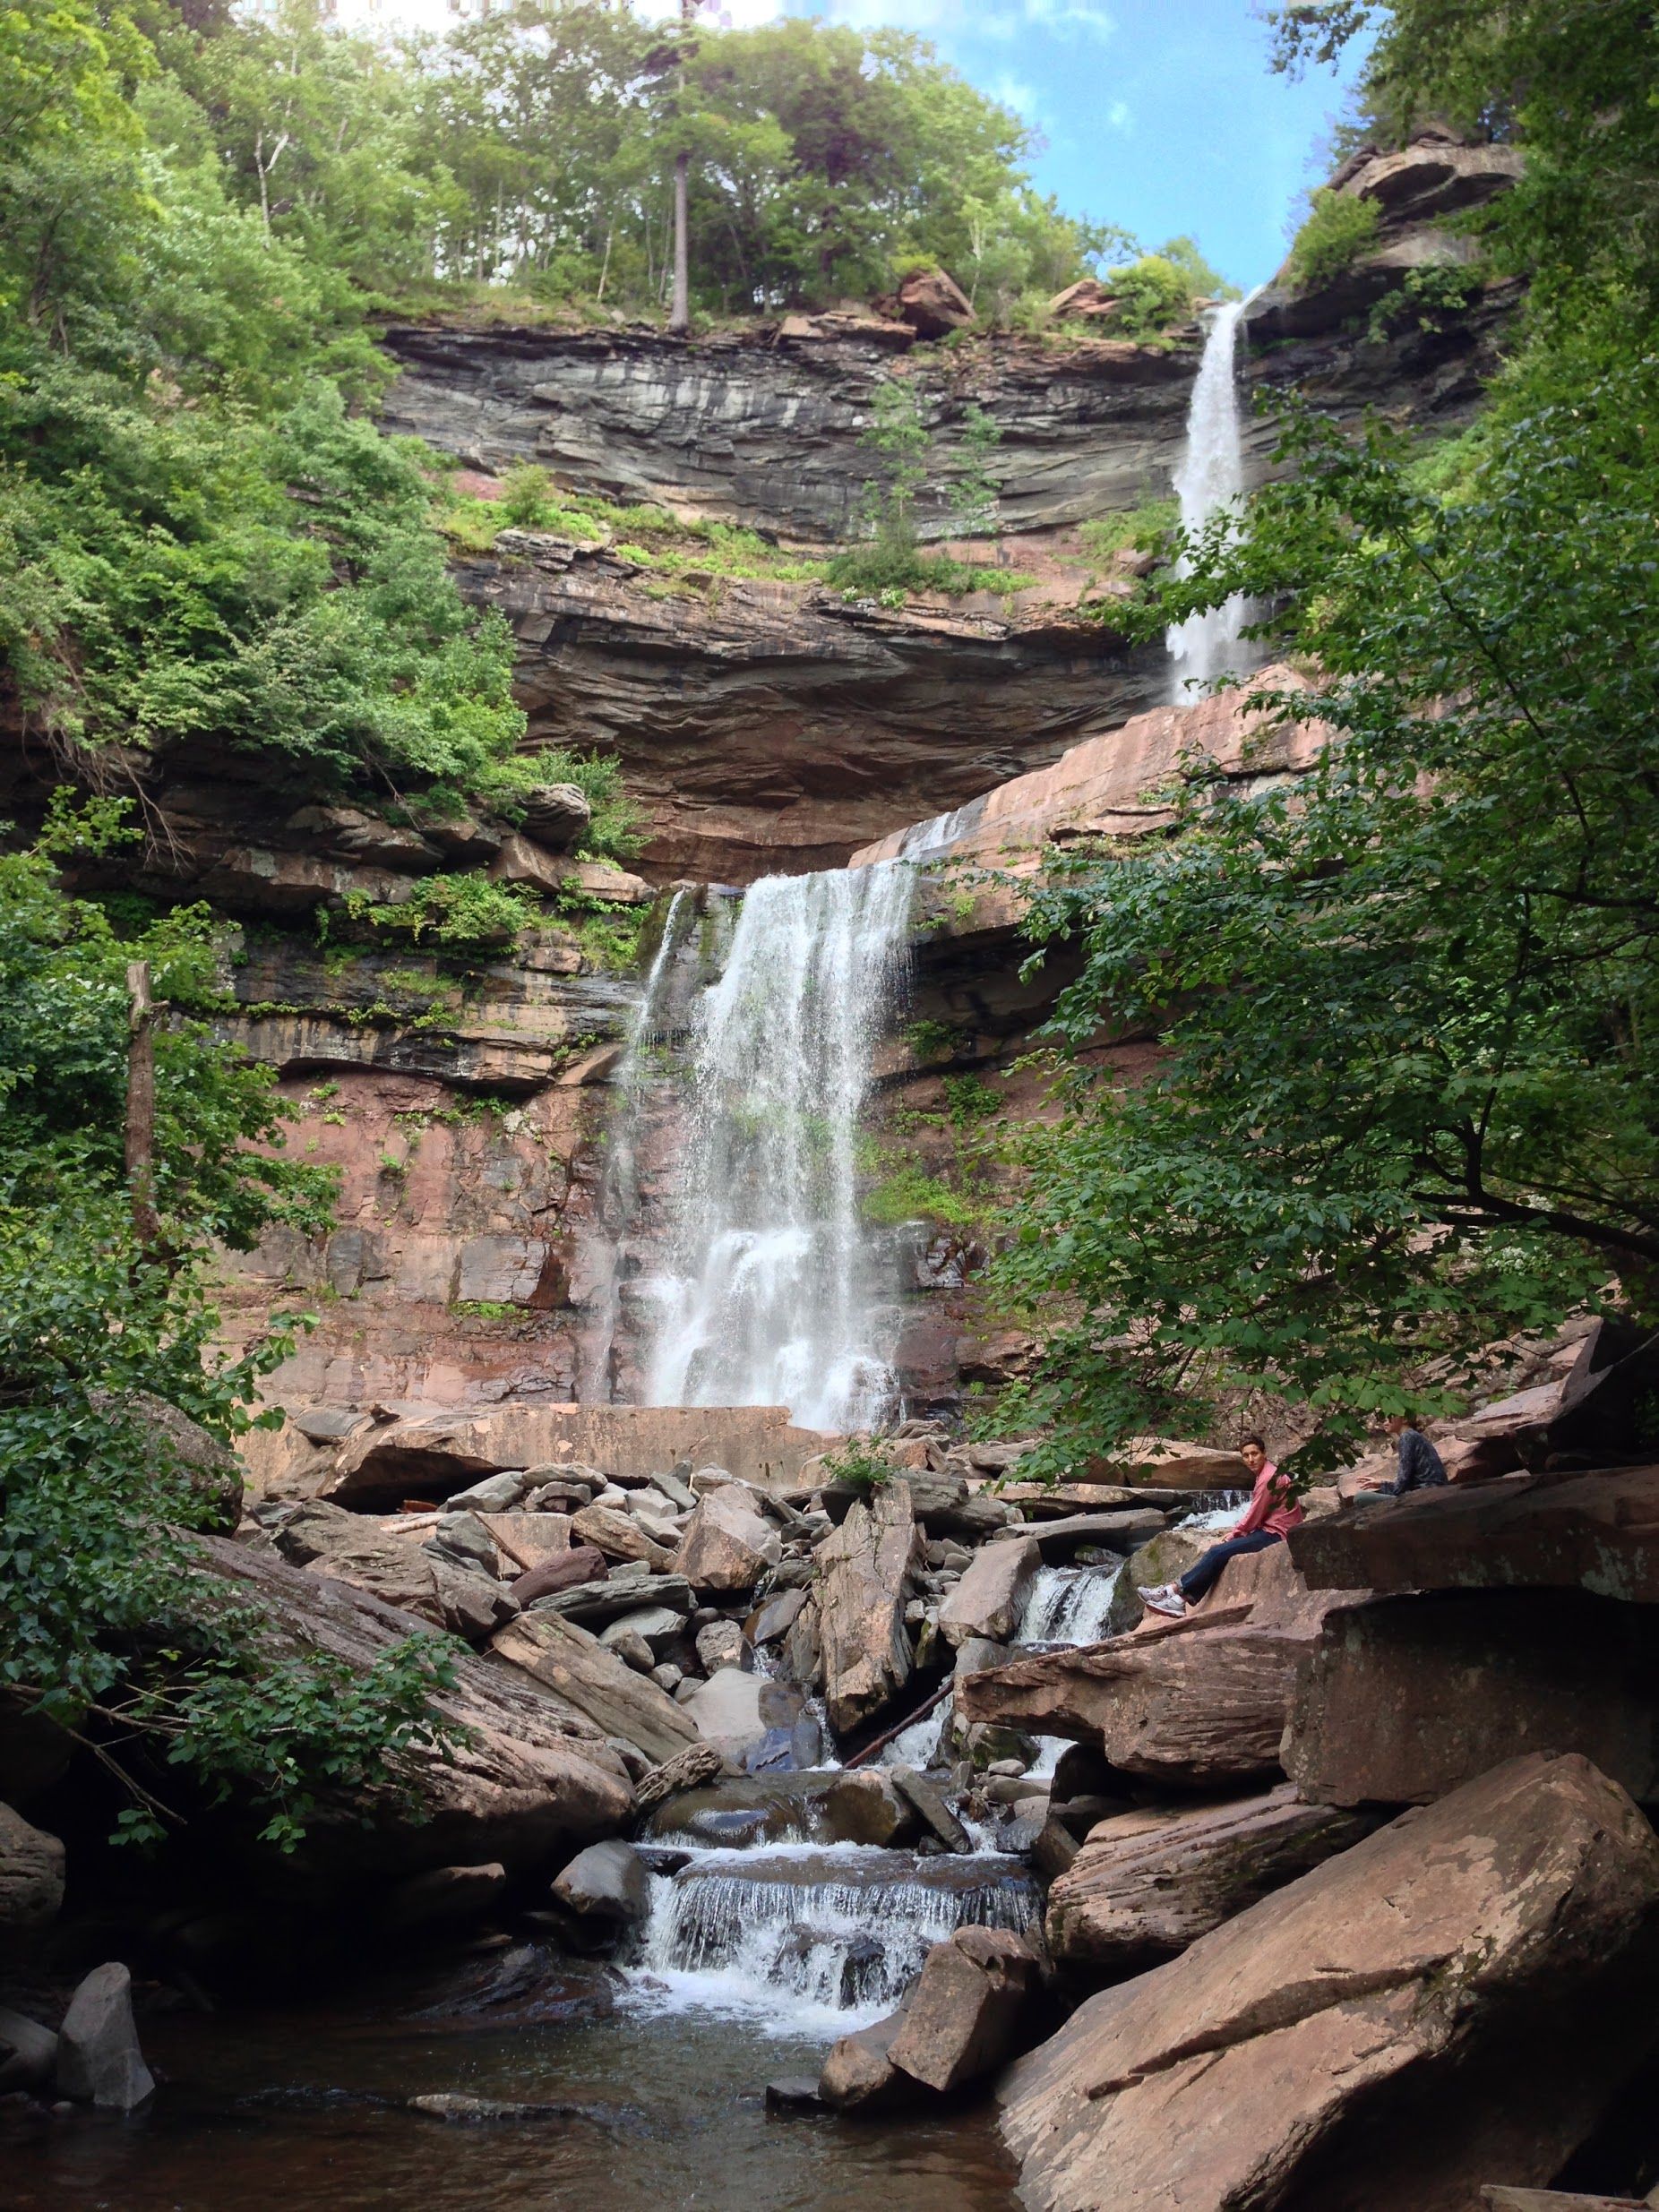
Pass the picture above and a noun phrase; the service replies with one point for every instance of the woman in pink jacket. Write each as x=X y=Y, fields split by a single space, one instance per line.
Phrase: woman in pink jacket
x=1269 y=1519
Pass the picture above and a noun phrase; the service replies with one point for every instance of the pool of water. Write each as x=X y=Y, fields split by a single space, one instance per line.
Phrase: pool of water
x=641 y=2111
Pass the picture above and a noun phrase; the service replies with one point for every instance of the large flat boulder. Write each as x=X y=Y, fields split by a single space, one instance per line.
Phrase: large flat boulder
x=864 y=1570
x=576 y=1671
x=988 y=1599
x=424 y=1452
x=1407 y=1698
x=1597 y=1532
x=1454 y=2002
x=1147 y=1883
x=327 y=1539
x=532 y=1779
x=1058 y=1540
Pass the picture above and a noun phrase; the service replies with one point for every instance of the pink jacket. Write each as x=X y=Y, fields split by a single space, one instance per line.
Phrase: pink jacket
x=1261 y=1513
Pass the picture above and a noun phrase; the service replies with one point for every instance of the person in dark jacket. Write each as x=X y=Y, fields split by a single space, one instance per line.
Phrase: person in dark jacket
x=1421 y=1466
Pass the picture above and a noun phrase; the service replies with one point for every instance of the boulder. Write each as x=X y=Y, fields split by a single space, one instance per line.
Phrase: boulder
x=987 y=1600
x=655 y=1626
x=933 y=305
x=615 y=1594
x=738 y=1713
x=556 y=815
x=619 y=1536
x=866 y=1806
x=774 y=1619
x=530 y=1776
x=969 y=2008
x=1456 y=2000
x=1146 y=1883
x=687 y=1770
x=327 y=1539
x=98 y=2061
x=1059 y=1540
x=1163 y=1560
x=727 y=1545
x=1088 y=298
x=1167 y=1460
x=858 y=2076
x=605 y=1885
x=32 y=1877
x=1407 y=1698
x=1595 y=1532
x=561 y=1572
x=863 y=1580
x=496 y=1493
x=576 y=1670
x=443 y=1897
x=525 y=1540
x=28 y=2052
x=719 y=1644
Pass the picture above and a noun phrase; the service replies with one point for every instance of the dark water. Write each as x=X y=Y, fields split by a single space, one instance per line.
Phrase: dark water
x=297 y=2109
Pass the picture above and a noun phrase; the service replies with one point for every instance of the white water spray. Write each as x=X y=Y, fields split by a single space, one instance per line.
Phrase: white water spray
x=1210 y=480
x=776 y=1298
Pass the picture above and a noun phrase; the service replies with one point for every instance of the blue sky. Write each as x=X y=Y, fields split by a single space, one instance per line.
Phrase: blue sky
x=1160 y=115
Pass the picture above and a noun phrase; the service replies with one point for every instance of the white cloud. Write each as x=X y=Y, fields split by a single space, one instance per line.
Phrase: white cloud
x=1120 y=117
x=1014 y=92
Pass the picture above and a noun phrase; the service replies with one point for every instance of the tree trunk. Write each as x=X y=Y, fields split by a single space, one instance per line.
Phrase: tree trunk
x=680 y=306
x=140 y=1106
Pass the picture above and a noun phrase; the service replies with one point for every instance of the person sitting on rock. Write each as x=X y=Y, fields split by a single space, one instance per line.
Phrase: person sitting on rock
x=1421 y=1466
x=1269 y=1519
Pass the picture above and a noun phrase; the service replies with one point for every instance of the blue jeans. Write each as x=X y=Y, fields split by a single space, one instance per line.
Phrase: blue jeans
x=1201 y=1577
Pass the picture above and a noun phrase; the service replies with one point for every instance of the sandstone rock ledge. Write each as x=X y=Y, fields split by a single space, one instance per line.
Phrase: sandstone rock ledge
x=1454 y=2002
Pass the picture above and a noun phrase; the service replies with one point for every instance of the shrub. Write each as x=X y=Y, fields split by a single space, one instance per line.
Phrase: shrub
x=1337 y=230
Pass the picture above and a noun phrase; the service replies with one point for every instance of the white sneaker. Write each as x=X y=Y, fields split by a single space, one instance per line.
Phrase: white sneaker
x=1164 y=1598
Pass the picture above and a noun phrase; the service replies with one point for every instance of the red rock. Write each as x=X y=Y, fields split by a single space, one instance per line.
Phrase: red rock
x=864 y=1570
x=565 y=1570
x=933 y=305
x=1408 y=1698
x=968 y=2009
x=1457 y=2000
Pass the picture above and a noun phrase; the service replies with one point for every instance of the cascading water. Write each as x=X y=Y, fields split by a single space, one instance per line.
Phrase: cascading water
x=824 y=1937
x=1067 y=1605
x=775 y=1299
x=1210 y=480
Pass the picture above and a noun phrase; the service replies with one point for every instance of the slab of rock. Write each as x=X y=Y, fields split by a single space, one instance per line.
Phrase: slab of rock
x=28 y=2052
x=687 y=1770
x=443 y=1897
x=930 y=1805
x=776 y=1617
x=864 y=1570
x=1595 y=1532
x=727 y=1545
x=327 y=1539
x=1407 y=1698
x=968 y=2011
x=496 y=1493
x=1166 y=1461
x=988 y=1599
x=1147 y=1883
x=739 y=1713
x=1457 y=1998
x=32 y=1877
x=656 y=1625
x=619 y=1536
x=574 y=1668
x=562 y=1574
x=933 y=305
x=1059 y=1540
x=607 y=1884
x=532 y=1777
x=98 y=2061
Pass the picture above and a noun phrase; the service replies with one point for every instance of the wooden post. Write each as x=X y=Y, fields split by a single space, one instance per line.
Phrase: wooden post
x=680 y=307
x=140 y=1106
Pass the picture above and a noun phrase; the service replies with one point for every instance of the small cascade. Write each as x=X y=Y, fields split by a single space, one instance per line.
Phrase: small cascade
x=1209 y=480
x=775 y=1296
x=813 y=1938
x=940 y=831
x=1067 y=1605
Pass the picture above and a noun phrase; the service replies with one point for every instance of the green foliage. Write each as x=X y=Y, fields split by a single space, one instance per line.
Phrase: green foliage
x=975 y=489
x=108 y=1625
x=464 y=912
x=890 y=563
x=932 y=1040
x=861 y=1465
x=1153 y=293
x=1146 y=527
x=1409 y=1098
x=1428 y=297
x=1336 y=231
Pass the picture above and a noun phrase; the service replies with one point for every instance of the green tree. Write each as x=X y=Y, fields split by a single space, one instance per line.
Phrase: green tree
x=1407 y=1097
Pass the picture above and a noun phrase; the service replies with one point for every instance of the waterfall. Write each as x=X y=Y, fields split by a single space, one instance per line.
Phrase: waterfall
x=825 y=1937
x=1211 y=478
x=1067 y=1605
x=774 y=1296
